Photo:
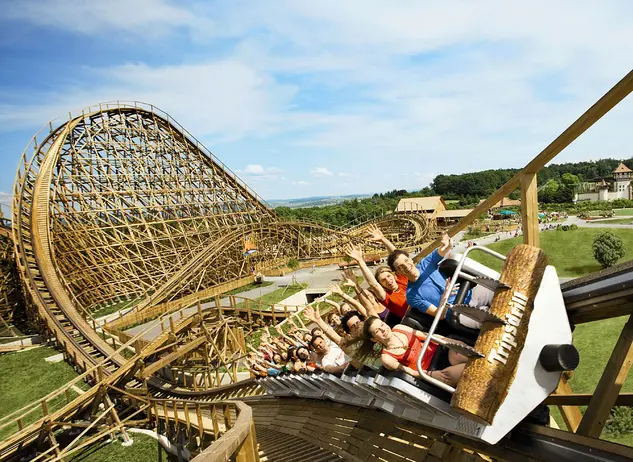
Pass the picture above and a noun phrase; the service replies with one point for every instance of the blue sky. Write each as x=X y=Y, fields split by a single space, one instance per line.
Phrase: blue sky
x=330 y=97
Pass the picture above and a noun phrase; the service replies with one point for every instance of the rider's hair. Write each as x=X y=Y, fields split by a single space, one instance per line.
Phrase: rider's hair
x=392 y=257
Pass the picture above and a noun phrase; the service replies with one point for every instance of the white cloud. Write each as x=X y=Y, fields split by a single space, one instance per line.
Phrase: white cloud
x=425 y=87
x=256 y=171
x=347 y=174
x=6 y=201
x=321 y=171
x=224 y=100
x=300 y=183
x=141 y=18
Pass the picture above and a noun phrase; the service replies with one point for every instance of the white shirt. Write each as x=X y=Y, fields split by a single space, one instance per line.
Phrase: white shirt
x=334 y=358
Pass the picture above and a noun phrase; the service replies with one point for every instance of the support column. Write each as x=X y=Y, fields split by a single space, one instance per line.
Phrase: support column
x=610 y=384
x=529 y=209
x=571 y=414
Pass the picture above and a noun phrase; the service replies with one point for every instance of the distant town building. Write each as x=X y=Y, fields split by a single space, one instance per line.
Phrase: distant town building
x=433 y=207
x=428 y=205
x=617 y=186
x=449 y=217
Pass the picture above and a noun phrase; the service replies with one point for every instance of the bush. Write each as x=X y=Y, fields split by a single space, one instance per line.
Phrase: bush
x=607 y=249
x=573 y=226
x=293 y=264
x=475 y=232
x=620 y=421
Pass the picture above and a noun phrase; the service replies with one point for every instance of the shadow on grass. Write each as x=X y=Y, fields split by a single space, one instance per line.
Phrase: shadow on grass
x=580 y=270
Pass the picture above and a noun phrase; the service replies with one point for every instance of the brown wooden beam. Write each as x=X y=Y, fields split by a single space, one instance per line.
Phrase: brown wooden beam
x=582 y=399
x=529 y=209
x=570 y=414
x=610 y=384
x=620 y=91
x=156 y=366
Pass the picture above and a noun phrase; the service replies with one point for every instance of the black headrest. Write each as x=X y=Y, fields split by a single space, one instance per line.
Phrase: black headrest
x=422 y=321
x=350 y=371
x=367 y=371
x=459 y=332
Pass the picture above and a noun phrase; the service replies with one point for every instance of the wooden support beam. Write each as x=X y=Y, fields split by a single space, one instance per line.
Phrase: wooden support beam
x=200 y=424
x=610 y=384
x=610 y=99
x=582 y=399
x=115 y=417
x=571 y=414
x=156 y=366
x=248 y=450
x=529 y=209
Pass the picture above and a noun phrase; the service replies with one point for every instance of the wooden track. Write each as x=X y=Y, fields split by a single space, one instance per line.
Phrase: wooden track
x=79 y=242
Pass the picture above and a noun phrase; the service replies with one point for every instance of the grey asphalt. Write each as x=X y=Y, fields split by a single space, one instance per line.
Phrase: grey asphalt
x=318 y=281
x=602 y=224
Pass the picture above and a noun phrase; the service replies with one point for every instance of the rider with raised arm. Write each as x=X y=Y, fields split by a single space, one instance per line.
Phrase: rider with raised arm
x=427 y=284
x=390 y=290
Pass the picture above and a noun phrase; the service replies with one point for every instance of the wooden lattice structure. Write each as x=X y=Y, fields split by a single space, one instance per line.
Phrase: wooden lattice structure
x=131 y=204
x=94 y=197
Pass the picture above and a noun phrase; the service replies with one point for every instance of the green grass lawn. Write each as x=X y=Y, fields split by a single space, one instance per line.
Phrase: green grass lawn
x=247 y=287
x=144 y=449
x=476 y=235
x=623 y=212
x=26 y=377
x=617 y=221
x=569 y=251
x=595 y=342
x=275 y=296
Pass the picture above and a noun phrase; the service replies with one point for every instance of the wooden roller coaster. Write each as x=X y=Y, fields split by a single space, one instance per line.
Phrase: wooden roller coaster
x=121 y=202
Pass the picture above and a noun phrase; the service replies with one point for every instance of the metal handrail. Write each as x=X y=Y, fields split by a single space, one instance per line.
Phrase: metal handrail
x=440 y=312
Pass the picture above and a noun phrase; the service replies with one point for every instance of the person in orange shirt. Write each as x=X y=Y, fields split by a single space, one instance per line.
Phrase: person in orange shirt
x=389 y=288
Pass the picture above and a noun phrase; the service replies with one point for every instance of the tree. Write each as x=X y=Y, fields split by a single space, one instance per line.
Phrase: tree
x=549 y=191
x=293 y=264
x=607 y=249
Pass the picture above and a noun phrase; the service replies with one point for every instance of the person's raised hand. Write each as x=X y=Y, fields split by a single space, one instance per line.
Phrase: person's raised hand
x=375 y=234
x=349 y=274
x=309 y=313
x=353 y=251
x=445 y=244
x=349 y=282
x=336 y=289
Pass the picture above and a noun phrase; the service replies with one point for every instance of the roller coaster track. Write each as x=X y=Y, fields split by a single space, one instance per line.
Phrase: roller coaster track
x=35 y=262
x=58 y=304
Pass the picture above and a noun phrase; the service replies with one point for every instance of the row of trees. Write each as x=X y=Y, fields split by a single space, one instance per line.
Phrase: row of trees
x=557 y=180
x=348 y=212
x=557 y=183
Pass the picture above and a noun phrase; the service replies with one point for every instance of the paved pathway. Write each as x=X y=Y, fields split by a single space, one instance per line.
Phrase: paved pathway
x=602 y=224
x=317 y=279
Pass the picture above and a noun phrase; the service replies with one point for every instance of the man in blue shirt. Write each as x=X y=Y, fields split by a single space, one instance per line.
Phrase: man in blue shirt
x=427 y=285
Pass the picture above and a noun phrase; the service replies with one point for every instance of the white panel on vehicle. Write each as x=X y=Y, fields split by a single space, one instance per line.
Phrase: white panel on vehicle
x=532 y=384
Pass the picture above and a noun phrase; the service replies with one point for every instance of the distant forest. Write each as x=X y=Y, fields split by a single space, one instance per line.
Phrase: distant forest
x=556 y=185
